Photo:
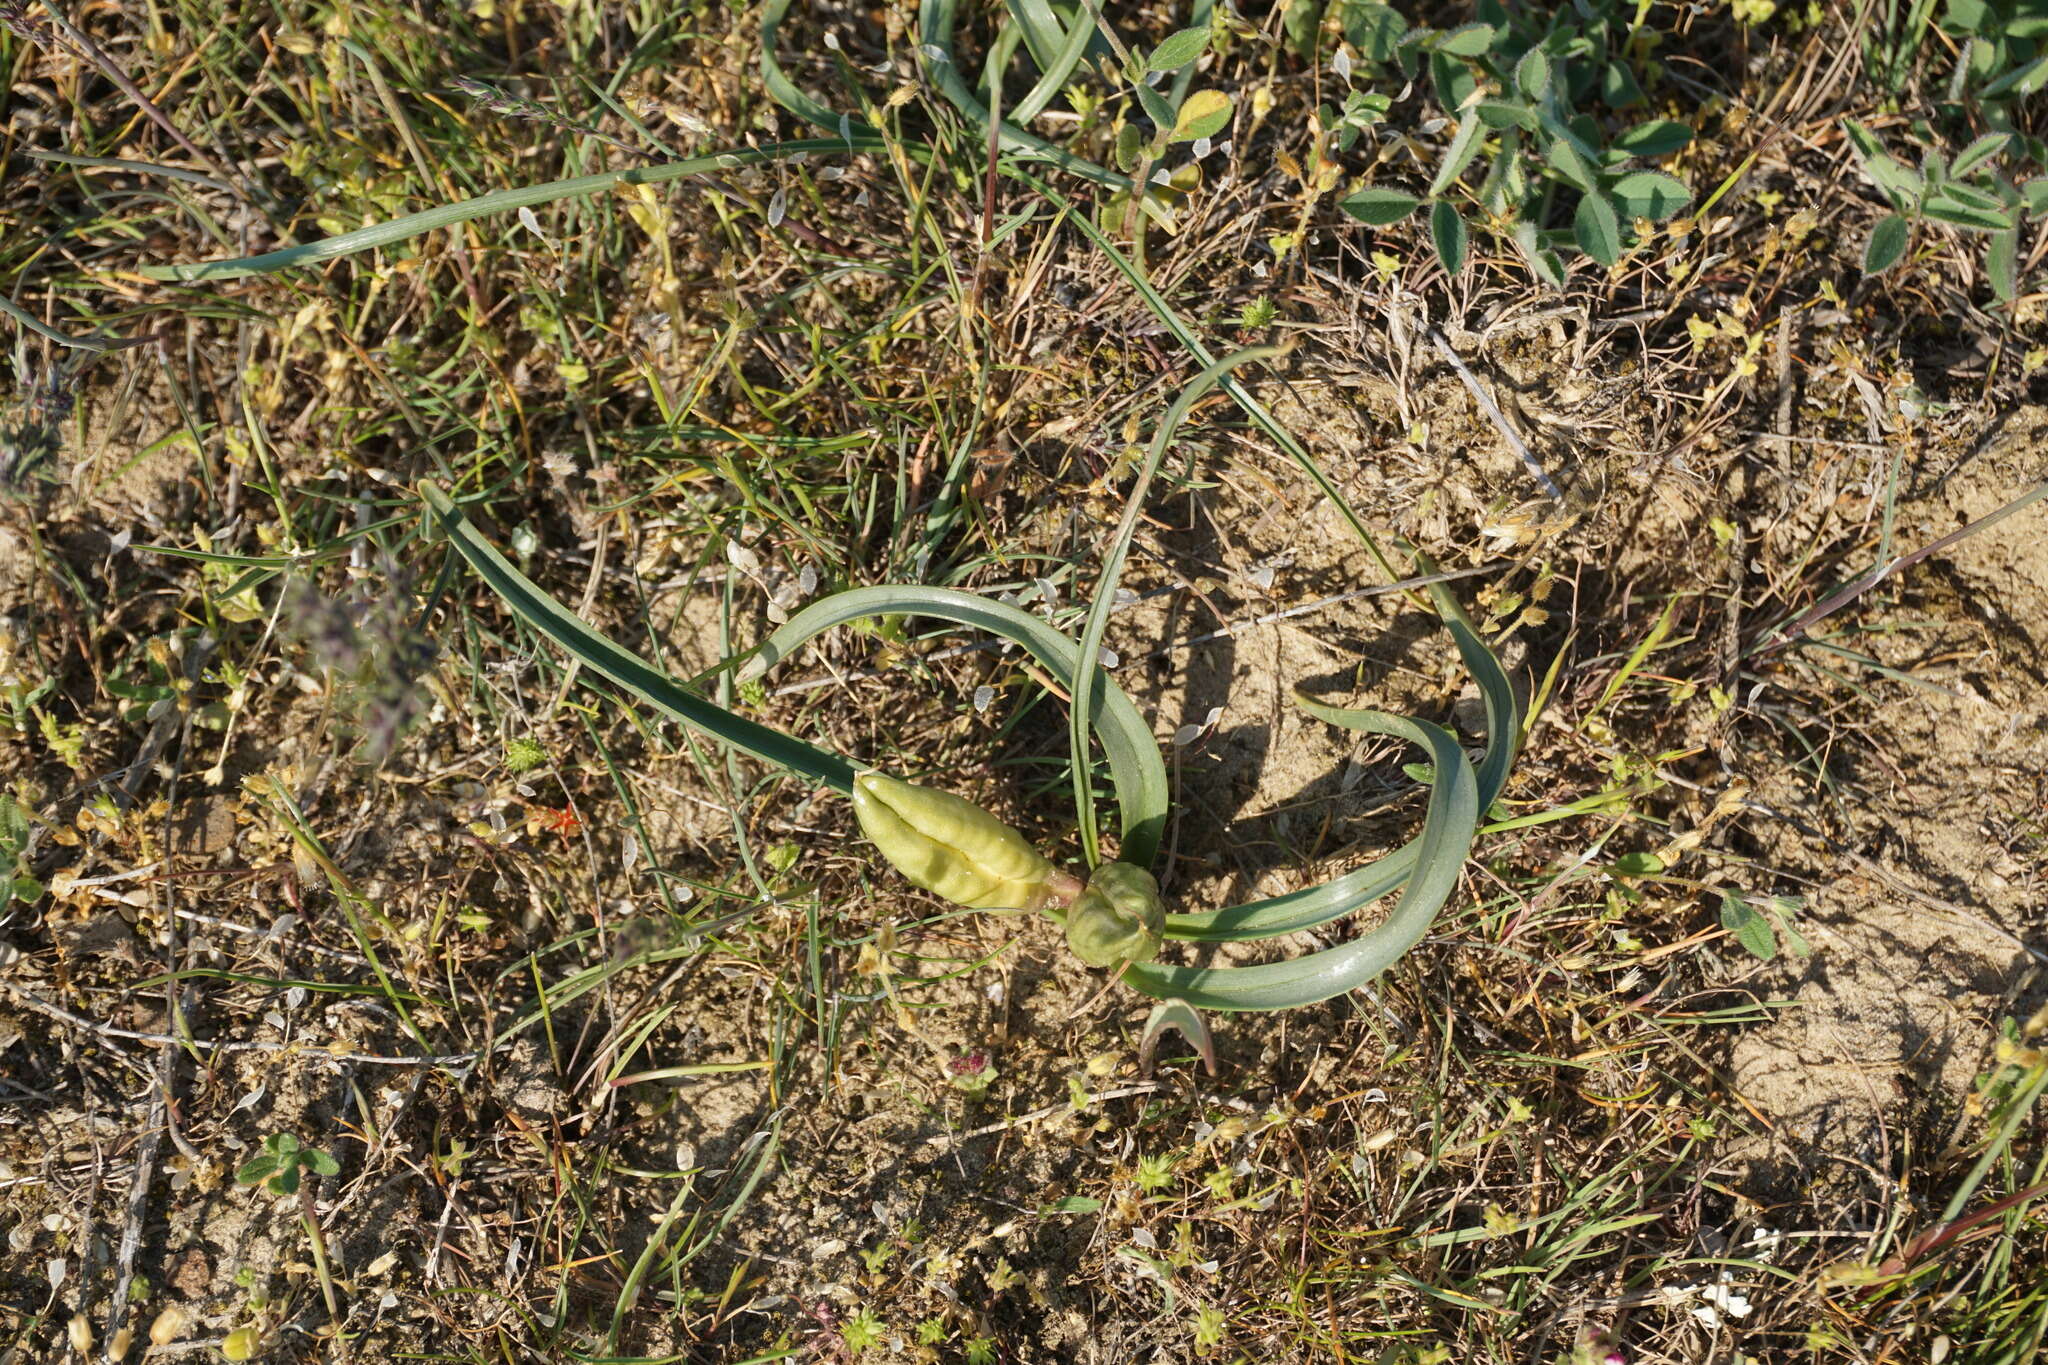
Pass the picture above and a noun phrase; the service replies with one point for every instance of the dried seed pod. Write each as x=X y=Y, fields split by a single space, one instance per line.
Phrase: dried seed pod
x=1120 y=917
x=168 y=1326
x=80 y=1332
x=949 y=846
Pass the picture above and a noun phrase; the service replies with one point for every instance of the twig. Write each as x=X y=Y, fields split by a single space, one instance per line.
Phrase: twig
x=304 y=1049
x=1496 y=416
x=1842 y=597
x=138 y=1198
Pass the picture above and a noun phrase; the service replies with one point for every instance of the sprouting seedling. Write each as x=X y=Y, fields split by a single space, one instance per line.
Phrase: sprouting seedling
x=285 y=1168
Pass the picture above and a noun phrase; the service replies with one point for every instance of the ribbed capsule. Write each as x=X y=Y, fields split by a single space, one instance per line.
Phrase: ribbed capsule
x=1120 y=917
x=950 y=847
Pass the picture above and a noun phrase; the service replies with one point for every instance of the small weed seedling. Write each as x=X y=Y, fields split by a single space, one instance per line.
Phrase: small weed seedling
x=1522 y=86
x=284 y=1167
x=1968 y=193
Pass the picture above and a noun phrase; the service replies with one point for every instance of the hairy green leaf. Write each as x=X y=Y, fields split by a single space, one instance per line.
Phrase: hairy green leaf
x=1752 y=930
x=1447 y=233
x=1379 y=207
x=1597 y=228
x=1658 y=137
x=1650 y=194
x=1886 y=246
x=1177 y=50
x=1467 y=40
x=1203 y=114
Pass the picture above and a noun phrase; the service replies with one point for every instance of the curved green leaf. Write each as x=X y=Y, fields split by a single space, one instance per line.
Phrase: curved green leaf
x=613 y=661
x=1314 y=906
x=1176 y=1014
x=1135 y=767
x=1083 y=712
x=784 y=91
x=1439 y=857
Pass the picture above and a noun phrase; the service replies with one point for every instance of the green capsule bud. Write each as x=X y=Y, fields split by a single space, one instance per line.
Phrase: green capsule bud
x=1119 y=918
x=950 y=847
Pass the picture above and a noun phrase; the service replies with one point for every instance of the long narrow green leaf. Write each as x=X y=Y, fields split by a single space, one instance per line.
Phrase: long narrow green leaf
x=1440 y=856
x=1056 y=68
x=590 y=648
x=784 y=91
x=936 y=19
x=1239 y=394
x=1319 y=905
x=1135 y=767
x=1045 y=34
x=1083 y=713
x=502 y=201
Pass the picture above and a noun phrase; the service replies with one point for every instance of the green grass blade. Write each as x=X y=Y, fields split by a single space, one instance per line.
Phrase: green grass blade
x=501 y=201
x=1135 y=767
x=1057 y=65
x=609 y=660
x=935 y=20
x=783 y=90
x=1083 y=712
x=1440 y=857
x=1239 y=394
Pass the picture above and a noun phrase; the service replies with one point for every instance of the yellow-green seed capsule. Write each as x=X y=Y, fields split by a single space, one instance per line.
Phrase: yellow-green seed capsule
x=1119 y=918
x=242 y=1344
x=950 y=847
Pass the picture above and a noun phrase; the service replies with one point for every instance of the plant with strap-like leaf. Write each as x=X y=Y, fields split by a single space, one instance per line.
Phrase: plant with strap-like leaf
x=1115 y=917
